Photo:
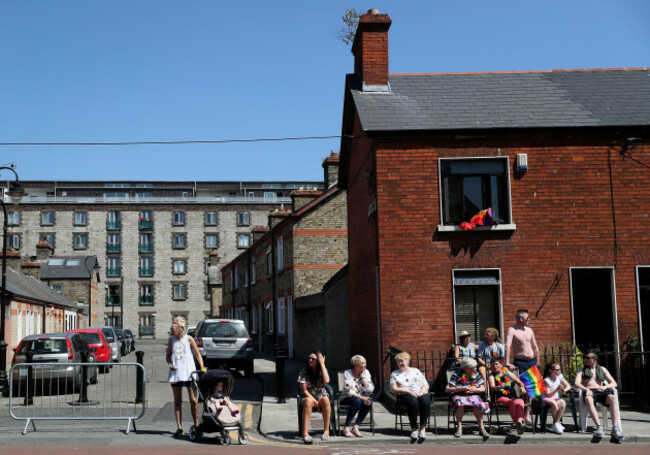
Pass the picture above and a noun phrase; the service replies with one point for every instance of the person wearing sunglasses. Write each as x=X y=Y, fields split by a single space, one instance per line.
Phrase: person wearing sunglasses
x=555 y=386
x=313 y=394
x=598 y=386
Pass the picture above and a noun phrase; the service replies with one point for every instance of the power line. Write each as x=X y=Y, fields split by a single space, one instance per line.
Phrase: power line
x=224 y=141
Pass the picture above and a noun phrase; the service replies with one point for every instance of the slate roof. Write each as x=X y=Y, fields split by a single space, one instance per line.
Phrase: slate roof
x=82 y=269
x=548 y=99
x=33 y=289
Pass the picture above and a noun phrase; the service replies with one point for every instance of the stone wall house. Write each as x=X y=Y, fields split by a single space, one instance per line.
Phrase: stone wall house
x=302 y=249
x=560 y=157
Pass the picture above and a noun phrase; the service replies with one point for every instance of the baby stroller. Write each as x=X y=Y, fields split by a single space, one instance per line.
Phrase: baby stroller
x=210 y=421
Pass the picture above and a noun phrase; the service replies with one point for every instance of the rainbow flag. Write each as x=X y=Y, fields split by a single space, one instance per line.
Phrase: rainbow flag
x=533 y=381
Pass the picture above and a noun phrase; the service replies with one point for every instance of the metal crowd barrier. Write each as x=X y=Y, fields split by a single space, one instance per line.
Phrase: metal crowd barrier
x=77 y=391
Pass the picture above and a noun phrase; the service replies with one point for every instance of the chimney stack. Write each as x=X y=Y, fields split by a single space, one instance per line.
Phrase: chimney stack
x=331 y=168
x=31 y=269
x=277 y=215
x=214 y=258
x=13 y=259
x=43 y=250
x=259 y=232
x=370 y=49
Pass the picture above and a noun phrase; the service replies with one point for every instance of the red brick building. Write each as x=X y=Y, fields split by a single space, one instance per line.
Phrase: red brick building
x=562 y=159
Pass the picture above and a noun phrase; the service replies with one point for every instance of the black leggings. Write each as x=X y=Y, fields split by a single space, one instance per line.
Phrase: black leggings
x=413 y=404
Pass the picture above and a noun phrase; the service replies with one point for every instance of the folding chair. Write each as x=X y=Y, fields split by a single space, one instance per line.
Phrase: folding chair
x=400 y=412
x=451 y=416
x=344 y=407
x=330 y=393
x=584 y=413
x=494 y=406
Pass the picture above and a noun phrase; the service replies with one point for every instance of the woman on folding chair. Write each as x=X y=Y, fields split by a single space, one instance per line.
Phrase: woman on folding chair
x=356 y=395
x=502 y=382
x=413 y=389
x=555 y=386
x=313 y=394
x=466 y=387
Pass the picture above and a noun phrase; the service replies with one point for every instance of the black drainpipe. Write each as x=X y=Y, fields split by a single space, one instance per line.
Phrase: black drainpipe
x=273 y=252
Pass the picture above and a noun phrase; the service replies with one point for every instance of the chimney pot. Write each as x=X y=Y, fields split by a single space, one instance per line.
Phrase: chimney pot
x=373 y=12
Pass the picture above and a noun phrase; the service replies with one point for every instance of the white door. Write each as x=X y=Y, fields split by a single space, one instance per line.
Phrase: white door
x=290 y=325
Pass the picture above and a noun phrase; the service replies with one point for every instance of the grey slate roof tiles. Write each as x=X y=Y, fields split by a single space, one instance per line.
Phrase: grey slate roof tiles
x=507 y=100
x=29 y=287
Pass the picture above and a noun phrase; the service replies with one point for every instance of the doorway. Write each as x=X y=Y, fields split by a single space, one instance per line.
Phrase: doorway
x=643 y=281
x=593 y=308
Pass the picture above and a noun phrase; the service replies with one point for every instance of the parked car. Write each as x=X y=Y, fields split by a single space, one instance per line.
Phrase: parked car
x=96 y=339
x=111 y=337
x=225 y=343
x=124 y=348
x=191 y=331
x=58 y=348
x=130 y=338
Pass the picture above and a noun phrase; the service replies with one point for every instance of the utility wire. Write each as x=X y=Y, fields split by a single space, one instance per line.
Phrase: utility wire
x=224 y=141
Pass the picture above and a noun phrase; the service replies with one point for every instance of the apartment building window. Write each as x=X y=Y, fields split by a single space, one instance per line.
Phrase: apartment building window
x=281 y=317
x=80 y=241
x=476 y=300
x=280 y=252
x=113 y=268
x=468 y=186
x=211 y=219
x=146 y=295
x=147 y=324
x=80 y=218
x=253 y=271
x=13 y=218
x=57 y=288
x=211 y=240
x=146 y=215
x=49 y=238
x=146 y=243
x=114 y=220
x=13 y=241
x=269 y=196
x=113 y=244
x=179 y=267
x=47 y=218
x=179 y=218
x=146 y=266
x=179 y=291
x=243 y=240
x=269 y=317
x=179 y=241
x=113 y=295
x=243 y=218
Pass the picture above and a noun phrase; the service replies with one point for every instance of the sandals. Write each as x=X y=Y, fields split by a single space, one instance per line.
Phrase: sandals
x=459 y=433
x=483 y=432
x=178 y=433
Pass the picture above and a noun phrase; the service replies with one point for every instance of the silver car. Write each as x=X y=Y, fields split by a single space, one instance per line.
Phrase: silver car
x=57 y=348
x=112 y=339
x=225 y=343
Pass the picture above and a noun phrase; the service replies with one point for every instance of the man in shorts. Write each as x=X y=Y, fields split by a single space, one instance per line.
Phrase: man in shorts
x=598 y=386
x=521 y=346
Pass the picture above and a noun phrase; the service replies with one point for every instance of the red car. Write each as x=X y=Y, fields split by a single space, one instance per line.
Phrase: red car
x=95 y=338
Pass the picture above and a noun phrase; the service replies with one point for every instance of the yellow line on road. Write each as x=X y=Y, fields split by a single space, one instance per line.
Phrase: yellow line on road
x=248 y=416
x=270 y=442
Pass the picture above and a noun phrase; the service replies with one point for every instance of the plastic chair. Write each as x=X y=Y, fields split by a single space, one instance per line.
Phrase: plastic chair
x=584 y=413
x=344 y=407
x=540 y=410
x=494 y=406
x=451 y=416
x=330 y=393
x=400 y=412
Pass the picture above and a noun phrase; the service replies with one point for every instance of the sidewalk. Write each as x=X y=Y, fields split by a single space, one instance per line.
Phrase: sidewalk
x=279 y=421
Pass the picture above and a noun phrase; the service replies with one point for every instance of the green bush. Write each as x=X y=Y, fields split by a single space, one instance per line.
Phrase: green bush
x=567 y=355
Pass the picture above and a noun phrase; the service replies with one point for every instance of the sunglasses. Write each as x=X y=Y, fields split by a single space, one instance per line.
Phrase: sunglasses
x=312 y=358
x=590 y=357
x=557 y=369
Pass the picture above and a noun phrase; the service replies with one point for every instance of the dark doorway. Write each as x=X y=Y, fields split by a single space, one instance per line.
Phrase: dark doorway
x=593 y=309
x=644 y=305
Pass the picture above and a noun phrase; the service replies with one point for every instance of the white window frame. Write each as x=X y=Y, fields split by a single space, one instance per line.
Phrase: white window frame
x=280 y=253
x=269 y=316
x=13 y=241
x=253 y=321
x=179 y=218
x=281 y=317
x=112 y=237
x=269 y=262
x=179 y=291
x=148 y=217
x=113 y=260
x=499 y=296
x=78 y=244
x=236 y=278
x=253 y=270
x=243 y=219
x=246 y=243
x=246 y=276
x=216 y=240
x=45 y=222
x=180 y=267
x=13 y=218
x=176 y=243
x=81 y=218
x=208 y=216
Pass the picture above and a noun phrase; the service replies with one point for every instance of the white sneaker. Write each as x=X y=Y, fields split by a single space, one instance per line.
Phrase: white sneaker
x=414 y=435
x=556 y=428
x=561 y=426
x=423 y=433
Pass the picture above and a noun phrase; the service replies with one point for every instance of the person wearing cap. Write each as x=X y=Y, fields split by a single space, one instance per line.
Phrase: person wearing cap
x=465 y=348
x=465 y=388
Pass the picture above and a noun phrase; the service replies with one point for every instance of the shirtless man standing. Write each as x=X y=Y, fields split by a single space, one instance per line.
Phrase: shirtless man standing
x=594 y=390
x=522 y=346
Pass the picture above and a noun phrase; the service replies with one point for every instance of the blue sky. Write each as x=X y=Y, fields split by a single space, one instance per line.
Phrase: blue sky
x=111 y=71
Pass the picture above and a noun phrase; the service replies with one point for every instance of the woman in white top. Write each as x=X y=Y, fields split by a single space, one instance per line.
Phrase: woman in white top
x=356 y=394
x=181 y=351
x=413 y=389
x=555 y=385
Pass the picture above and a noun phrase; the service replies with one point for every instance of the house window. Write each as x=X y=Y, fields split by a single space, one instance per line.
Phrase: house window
x=236 y=278
x=269 y=262
x=211 y=240
x=468 y=186
x=243 y=240
x=253 y=326
x=146 y=295
x=147 y=324
x=280 y=253
x=281 y=316
x=114 y=295
x=49 y=238
x=179 y=218
x=243 y=218
x=57 y=288
x=80 y=218
x=179 y=241
x=47 y=218
x=146 y=266
x=113 y=266
x=179 y=267
x=246 y=276
x=476 y=301
x=269 y=317
x=253 y=271
x=13 y=241
x=114 y=216
x=113 y=239
x=211 y=218
x=80 y=241
x=13 y=218
x=180 y=292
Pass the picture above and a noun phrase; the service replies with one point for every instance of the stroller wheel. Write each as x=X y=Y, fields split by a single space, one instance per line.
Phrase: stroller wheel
x=226 y=441
x=194 y=433
x=243 y=438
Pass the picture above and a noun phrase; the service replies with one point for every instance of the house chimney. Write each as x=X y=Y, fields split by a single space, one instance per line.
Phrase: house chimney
x=258 y=232
x=43 y=250
x=302 y=197
x=214 y=258
x=277 y=215
x=331 y=168
x=30 y=268
x=370 y=49
x=13 y=259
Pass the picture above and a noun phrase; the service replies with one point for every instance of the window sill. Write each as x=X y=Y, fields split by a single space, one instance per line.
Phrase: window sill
x=498 y=227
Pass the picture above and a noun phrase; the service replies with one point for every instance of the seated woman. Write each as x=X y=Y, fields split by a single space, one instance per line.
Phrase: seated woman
x=502 y=383
x=413 y=389
x=465 y=387
x=312 y=381
x=465 y=348
x=555 y=386
x=356 y=394
x=490 y=348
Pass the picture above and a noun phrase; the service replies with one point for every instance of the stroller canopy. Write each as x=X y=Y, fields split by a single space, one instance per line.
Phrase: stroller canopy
x=207 y=381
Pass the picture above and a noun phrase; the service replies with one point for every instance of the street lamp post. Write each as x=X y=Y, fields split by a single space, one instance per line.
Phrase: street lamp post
x=16 y=192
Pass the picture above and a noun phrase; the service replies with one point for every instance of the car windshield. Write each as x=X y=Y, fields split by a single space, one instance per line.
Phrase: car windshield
x=226 y=330
x=44 y=346
x=91 y=337
x=108 y=333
